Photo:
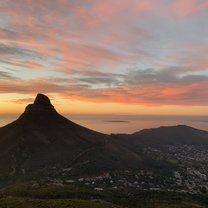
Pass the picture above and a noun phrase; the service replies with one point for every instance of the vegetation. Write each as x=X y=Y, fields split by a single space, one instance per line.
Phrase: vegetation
x=33 y=195
x=52 y=203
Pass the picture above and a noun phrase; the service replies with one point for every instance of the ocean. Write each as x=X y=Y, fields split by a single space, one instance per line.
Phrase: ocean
x=126 y=123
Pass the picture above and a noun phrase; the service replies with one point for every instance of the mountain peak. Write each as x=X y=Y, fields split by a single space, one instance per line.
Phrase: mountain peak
x=41 y=103
x=42 y=99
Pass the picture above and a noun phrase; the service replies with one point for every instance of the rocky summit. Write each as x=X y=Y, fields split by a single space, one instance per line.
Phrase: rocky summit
x=41 y=103
x=42 y=100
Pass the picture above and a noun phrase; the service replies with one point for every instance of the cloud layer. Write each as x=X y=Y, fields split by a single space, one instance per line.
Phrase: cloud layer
x=147 y=52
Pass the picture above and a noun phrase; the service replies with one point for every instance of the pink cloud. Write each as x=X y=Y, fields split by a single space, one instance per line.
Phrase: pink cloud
x=28 y=64
x=188 y=7
x=106 y=35
x=189 y=90
x=87 y=56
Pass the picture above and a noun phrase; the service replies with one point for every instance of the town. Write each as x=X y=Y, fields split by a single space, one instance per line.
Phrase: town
x=178 y=168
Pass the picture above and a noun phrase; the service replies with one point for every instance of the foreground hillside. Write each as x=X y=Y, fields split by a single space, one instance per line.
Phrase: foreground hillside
x=52 y=203
x=46 y=196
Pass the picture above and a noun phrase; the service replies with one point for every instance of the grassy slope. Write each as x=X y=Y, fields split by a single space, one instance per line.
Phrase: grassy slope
x=12 y=202
x=17 y=202
x=26 y=196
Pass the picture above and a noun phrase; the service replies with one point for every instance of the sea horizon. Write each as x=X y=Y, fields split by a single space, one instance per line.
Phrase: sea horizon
x=125 y=123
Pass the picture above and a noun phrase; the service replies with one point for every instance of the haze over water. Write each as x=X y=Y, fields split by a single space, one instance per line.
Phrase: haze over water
x=126 y=123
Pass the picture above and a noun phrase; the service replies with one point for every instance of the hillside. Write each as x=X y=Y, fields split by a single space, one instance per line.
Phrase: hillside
x=42 y=143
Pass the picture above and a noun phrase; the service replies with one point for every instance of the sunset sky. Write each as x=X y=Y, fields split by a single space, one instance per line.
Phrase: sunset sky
x=105 y=56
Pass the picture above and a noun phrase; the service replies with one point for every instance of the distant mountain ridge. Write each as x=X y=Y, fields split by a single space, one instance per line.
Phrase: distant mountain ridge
x=42 y=143
x=175 y=134
x=180 y=134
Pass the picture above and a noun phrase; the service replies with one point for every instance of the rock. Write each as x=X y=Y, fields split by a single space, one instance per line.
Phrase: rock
x=42 y=100
x=41 y=103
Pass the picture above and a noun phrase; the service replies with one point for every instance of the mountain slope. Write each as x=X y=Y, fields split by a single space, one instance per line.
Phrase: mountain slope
x=41 y=140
